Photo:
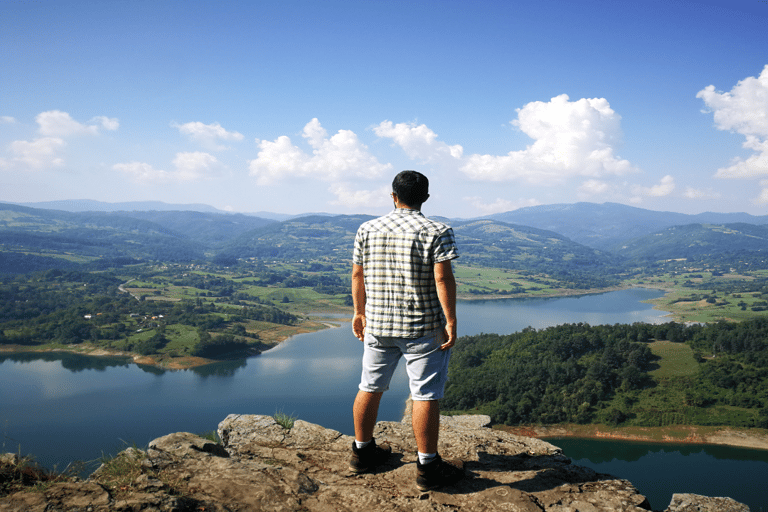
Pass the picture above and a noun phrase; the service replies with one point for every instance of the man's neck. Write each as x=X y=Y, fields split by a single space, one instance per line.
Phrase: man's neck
x=403 y=206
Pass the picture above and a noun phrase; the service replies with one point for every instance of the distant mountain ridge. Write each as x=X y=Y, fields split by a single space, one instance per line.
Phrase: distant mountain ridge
x=605 y=226
x=697 y=241
x=584 y=243
x=90 y=205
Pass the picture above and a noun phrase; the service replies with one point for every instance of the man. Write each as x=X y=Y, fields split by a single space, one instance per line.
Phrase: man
x=404 y=296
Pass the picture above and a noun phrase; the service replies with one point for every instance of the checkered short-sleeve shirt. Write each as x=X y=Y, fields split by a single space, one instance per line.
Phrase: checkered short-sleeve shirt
x=398 y=253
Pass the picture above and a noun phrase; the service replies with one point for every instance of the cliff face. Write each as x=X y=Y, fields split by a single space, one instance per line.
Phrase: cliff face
x=261 y=466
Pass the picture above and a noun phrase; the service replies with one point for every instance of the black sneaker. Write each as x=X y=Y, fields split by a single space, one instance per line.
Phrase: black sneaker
x=438 y=473
x=368 y=458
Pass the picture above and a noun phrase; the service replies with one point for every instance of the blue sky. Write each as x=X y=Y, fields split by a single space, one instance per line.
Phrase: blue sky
x=308 y=106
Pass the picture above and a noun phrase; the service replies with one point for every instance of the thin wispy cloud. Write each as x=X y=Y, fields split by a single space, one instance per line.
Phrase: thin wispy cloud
x=188 y=167
x=499 y=205
x=349 y=197
x=665 y=187
x=209 y=136
x=36 y=155
x=60 y=124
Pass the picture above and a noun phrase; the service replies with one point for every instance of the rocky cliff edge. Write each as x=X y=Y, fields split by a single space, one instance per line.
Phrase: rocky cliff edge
x=261 y=466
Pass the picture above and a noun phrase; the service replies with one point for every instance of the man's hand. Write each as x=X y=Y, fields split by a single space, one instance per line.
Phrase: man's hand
x=450 y=336
x=358 y=326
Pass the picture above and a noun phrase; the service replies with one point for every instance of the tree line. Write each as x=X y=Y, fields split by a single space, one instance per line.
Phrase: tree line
x=577 y=373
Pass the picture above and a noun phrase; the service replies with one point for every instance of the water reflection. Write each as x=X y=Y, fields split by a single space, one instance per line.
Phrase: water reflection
x=72 y=362
x=220 y=369
x=599 y=451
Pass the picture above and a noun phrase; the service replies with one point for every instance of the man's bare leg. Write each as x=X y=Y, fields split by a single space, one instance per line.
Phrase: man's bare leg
x=426 y=424
x=365 y=411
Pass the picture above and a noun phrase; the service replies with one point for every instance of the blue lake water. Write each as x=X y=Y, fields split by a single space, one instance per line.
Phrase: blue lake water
x=660 y=470
x=65 y=407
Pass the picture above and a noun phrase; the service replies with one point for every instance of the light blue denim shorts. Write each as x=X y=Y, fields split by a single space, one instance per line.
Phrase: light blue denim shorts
x=425 y=363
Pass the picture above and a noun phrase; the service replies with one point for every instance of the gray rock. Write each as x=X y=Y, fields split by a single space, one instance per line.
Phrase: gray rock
x=697 y=503
x=262 y=466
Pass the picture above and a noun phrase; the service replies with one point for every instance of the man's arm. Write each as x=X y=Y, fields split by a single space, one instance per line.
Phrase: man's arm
x=358 y=300
x=446 y=292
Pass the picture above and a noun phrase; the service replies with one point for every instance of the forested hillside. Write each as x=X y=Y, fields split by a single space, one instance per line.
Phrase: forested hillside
x=699 y=241
x=75 y=307
x=582 y=374
x=488 y=243
x=35 y=239
x=311 y=237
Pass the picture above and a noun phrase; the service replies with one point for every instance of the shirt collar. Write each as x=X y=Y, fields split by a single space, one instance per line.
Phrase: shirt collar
x=407 y=211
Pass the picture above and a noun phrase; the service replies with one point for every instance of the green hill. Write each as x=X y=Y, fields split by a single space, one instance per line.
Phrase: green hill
x=695 y=241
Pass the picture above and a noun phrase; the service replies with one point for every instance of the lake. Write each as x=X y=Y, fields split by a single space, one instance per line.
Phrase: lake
x=660 y=470
x=64 y=407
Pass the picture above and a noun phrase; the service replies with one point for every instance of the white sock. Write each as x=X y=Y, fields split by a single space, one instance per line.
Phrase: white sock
x=426 y=458
x=362 y=445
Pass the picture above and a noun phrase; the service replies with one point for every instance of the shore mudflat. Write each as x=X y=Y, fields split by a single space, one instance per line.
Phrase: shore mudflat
x=686 y=434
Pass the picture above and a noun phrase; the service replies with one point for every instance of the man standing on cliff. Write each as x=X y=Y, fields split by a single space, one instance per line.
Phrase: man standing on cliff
x=404 y=296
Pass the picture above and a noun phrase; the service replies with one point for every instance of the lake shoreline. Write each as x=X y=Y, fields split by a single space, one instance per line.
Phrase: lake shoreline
x=754 y=438
x=157 y=360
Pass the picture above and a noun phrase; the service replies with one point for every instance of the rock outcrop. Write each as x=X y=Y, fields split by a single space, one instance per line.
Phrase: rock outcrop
x=262 y=466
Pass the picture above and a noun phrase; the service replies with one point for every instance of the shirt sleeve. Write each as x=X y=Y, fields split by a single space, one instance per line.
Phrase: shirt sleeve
x=445 y=247
x=357 y=251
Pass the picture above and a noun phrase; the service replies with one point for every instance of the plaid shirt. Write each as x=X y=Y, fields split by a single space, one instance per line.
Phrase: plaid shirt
x=398 y=253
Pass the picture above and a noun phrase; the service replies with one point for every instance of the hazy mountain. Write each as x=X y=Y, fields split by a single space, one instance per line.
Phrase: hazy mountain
x=601 y=226
x=482 y=242
x=314 y=236
x=695 y=241
x=606 y=225
x=88 y=205
x=193 y=235
x=211 y=229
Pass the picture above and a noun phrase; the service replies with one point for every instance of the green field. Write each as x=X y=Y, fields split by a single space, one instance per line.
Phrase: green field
x=481 y=282
x=676 y=360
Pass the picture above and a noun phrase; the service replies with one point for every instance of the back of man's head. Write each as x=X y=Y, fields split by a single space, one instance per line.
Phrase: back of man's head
x=411 y=188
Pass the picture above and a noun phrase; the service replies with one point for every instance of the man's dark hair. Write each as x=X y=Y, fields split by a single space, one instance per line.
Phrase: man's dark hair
x=411 y=188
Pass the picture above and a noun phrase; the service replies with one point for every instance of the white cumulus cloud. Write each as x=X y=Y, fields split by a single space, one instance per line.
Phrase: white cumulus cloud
x=208 y=135
x=60 y=124
x=664 y=188
x=7 y=120
x=743 y=110
x=338 y=157
x=418 y=142
x=571 y=138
